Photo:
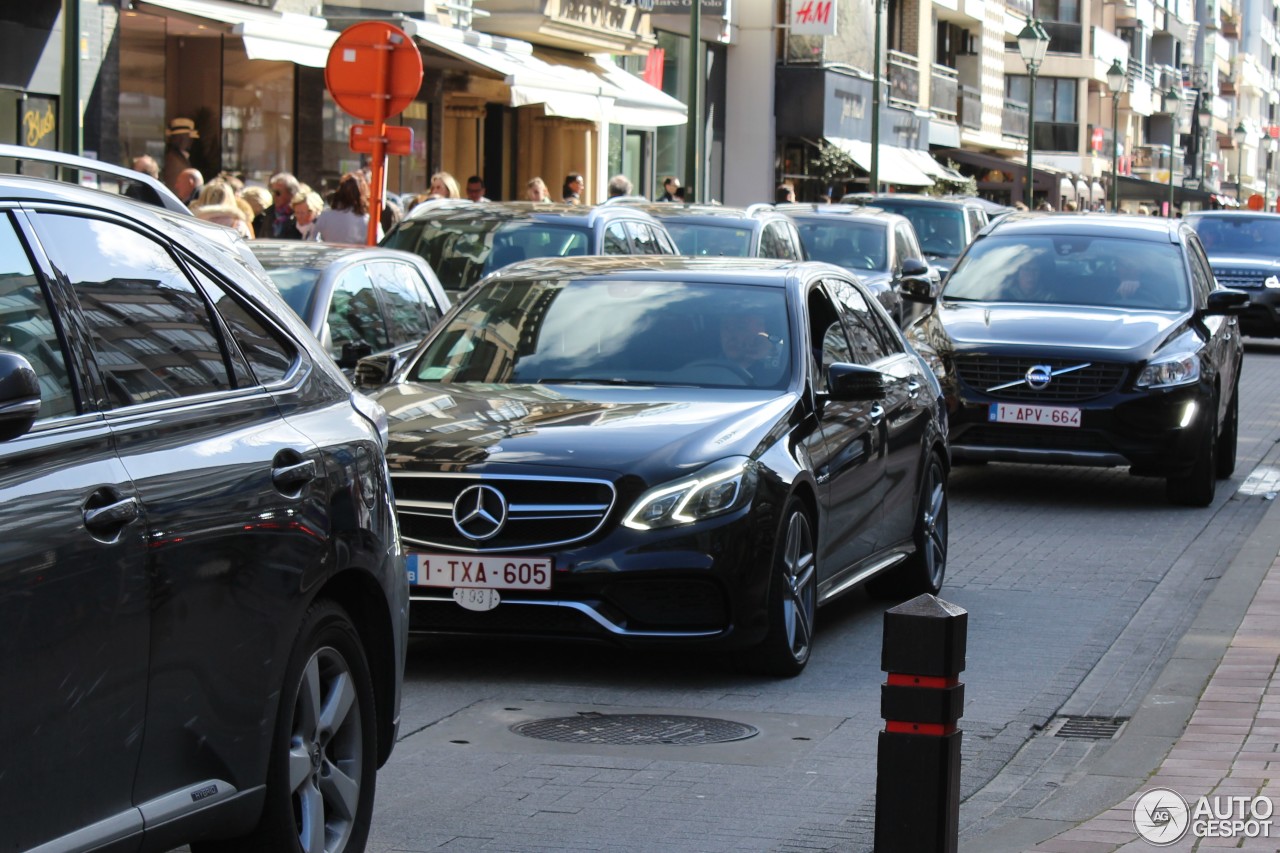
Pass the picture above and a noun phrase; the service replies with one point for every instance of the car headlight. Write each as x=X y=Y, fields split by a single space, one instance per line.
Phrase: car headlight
x=1169 y=371
x=719 y=488
x=1271 y=281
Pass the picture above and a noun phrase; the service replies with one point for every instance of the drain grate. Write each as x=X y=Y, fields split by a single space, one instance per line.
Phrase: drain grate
x=1090 y=728
x=636 y=729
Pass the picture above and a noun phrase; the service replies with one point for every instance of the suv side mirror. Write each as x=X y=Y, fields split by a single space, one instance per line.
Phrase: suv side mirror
x=919 y=288
x=1226 y=301
x=914 y=268
x=854 y=382
x=374 y=371
x=19 y=395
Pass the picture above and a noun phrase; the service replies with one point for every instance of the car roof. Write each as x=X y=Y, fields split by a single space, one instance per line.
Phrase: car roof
x=319 y=255
x=758 y=271
x=1228 y=214
x=534 y=211
x=839 y=212
x=1121 y=225
x=152 y=191
x=914 y=199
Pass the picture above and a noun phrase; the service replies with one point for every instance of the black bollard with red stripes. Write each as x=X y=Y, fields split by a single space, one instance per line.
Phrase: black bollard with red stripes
x=918 y=761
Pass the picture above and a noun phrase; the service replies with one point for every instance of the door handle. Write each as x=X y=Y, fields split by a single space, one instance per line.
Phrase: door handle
x=877 y=414
x=290 y=477
x=117 y=514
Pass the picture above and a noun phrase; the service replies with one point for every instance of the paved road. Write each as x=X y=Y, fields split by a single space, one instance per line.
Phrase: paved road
x=1077 y=582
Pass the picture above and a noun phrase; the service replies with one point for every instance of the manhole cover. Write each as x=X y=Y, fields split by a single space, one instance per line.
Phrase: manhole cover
x=1090 y=728
x=636 y=729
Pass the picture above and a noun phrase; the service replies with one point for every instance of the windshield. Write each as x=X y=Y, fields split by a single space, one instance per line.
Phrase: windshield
x=1072 y=270
x=940 y=230
x=717 y=240
x=852 y=245
x=462 y=252
x=296 y=285
x=614 y=333
x=1238 y=234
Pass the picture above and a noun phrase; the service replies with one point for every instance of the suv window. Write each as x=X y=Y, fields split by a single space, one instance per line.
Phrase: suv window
x=409 y=303
x=615 y=239
x=270 y=357
x=775 y=242
x=644 y=238
x=354 y=313
x=26 y=325
x=150 y=330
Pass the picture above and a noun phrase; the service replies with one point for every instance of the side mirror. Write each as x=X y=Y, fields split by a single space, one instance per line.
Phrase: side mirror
x=352 y=352
x=1226 y=301
x=922 y=289
x=19 y=395
x=374 y=371
x=914 y=268
x=854 y=382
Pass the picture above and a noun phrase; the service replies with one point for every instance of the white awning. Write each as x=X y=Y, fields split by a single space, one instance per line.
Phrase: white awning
x=639 y=104
x=926 y=163
x=1067 y=188
x=897 y=166
x=563 y=91
x=277 y=36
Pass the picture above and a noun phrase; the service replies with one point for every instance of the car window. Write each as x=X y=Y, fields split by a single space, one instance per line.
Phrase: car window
x=849 y=244
x=1238 y=234
x=869 y=337
x=150 y=331
x=270 y=356
x=615 y=239
x=696 y=238
x=643 y=238
x=977 y=221
x=908 y=246
x=410 y=308
x=354 y=313
x=902 y=247
x=26 y=325
x=1201 y=273
x=828 y=343
x=775 y=243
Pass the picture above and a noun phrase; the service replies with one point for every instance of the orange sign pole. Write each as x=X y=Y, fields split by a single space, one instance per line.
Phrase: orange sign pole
x=381 y=94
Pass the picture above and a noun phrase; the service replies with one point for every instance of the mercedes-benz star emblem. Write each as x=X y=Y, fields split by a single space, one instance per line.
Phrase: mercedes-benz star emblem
x=479 y=512
x=1039 y=375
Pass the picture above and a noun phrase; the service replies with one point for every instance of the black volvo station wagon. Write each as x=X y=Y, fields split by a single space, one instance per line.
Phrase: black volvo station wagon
x=671 y=450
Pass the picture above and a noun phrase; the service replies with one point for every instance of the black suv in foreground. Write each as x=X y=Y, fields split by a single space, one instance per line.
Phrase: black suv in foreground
x=203 y=601
x=463 y=241
x=1091 y=340
x=1244 y=250
x=679 y=450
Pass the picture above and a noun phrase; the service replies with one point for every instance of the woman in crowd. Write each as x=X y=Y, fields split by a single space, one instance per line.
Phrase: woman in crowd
x=347 y=220
x=259 y=199
x=536 y=190
x=572 y=190
x=217 y=203
x=307 y=206
x=443 y=185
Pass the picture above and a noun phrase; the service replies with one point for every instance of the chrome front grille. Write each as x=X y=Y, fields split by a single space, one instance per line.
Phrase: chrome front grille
x=1239 y=278
x=542 y=512
x=1086 y=381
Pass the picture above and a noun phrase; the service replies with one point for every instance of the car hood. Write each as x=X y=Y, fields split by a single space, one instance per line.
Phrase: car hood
x=1225 y=261
x=1109 y=334
x=652 y=432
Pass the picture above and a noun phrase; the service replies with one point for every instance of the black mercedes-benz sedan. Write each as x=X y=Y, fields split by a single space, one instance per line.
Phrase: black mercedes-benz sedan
x=1090 y=340
x=679 y=450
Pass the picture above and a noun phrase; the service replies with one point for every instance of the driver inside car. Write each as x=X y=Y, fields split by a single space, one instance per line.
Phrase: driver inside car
x=746 y=342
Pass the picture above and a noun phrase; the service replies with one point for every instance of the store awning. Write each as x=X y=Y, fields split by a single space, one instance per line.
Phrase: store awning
x=276 y=36
x=896 y=165
x=931 y=167
x=569 y=86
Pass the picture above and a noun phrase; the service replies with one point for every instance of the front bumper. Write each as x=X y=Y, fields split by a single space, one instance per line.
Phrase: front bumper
x=1144 y=430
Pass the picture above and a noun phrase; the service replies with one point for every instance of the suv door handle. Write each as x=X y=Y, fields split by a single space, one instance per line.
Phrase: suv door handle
x=118 y=513
x=289 y=478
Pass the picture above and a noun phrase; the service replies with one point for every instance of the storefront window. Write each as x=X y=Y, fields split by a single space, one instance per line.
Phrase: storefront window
x=141 y=86
x=257 y=114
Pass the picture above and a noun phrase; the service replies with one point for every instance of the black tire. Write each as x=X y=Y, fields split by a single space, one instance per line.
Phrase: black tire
x=1228 y=438
x=1197 y=487
x=323 y=762
x=924 y=570
x=793 y=598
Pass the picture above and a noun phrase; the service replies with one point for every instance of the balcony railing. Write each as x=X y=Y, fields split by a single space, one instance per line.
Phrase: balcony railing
x=970 y=107
x=944 y=92
x=1014 y=120
x=1064 y=37
x=1019 y=8
x=904 y=80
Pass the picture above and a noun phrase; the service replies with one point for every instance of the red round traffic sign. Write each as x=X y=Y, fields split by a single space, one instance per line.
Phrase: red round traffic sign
x=371 y=62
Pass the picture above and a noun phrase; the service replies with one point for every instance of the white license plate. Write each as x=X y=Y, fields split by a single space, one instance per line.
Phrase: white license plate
x=479 y=571
x=1010 y=413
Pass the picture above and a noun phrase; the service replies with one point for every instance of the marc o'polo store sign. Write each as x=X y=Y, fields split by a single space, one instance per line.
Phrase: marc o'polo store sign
x=683 y=7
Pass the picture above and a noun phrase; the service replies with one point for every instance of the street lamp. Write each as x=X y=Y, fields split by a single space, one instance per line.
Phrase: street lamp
x=1116 y=79
x=1240 y=134
x=1203 y=119
x=1269 y=144
x=1033 y=44
x=1173 y=106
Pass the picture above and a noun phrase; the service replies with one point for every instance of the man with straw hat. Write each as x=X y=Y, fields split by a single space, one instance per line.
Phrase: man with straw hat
x=177 y=157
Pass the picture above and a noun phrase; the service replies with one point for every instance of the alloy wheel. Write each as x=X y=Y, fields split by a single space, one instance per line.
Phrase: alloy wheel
x=800 y=592
x=933 y=524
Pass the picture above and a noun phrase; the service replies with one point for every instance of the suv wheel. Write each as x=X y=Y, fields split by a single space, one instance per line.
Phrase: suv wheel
x=924 y=570
x=1227 y=439
x=1196 y=487
x=793 y=598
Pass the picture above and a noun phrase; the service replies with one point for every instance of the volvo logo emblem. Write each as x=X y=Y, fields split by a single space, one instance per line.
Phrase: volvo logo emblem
x=479 y=512
x=1039 y=375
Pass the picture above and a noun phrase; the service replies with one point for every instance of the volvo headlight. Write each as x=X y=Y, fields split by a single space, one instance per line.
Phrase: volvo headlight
x=1170 y=370
x=719 y=488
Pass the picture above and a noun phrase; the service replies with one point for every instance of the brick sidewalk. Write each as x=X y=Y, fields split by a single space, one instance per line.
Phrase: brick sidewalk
x=1231 y=746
